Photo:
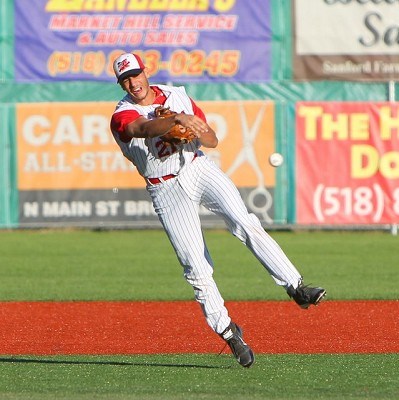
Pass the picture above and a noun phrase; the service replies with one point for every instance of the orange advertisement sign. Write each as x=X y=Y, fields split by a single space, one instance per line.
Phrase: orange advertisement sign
x=70 y=146
x=245 y=130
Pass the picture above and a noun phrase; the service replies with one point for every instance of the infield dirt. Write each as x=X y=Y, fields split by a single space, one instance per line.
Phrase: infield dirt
x=49 y=328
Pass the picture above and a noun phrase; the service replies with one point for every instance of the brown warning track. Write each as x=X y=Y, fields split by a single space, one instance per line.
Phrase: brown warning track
x=48 y=328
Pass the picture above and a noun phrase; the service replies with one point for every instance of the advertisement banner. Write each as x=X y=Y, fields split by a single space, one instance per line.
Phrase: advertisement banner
x=71 y=170
x=346 y=40
x=347 y=163
x=185 y=41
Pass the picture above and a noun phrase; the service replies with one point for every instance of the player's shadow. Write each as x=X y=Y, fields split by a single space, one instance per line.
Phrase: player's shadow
x=105 y=362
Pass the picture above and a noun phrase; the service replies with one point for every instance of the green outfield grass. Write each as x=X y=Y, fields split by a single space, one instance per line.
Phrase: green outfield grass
x=140 y=265
x=210 y=377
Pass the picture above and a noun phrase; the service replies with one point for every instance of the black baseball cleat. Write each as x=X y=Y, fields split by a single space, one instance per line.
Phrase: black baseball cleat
x=305 y=295
x=241 y=351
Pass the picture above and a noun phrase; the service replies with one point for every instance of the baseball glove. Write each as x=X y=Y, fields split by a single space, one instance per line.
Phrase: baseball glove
x=178 y=134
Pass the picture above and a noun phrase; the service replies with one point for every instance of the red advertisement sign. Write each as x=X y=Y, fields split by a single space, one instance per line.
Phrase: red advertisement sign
x=347 y=158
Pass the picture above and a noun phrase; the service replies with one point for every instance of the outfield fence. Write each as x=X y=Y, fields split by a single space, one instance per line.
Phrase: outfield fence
x=266 y=85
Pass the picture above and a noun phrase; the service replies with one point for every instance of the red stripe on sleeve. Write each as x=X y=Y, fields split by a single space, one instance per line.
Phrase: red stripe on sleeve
x=123 y=118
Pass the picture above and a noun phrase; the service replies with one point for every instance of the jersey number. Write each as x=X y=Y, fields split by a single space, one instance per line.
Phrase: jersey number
x=165 y=150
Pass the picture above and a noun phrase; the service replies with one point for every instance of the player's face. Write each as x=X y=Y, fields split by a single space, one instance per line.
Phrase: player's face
x=139 y=88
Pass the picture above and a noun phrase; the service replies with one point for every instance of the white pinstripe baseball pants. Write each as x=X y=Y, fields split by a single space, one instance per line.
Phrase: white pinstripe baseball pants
x=176 y=201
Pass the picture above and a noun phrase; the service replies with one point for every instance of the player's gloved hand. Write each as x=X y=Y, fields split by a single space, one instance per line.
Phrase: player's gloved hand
x=178 y=134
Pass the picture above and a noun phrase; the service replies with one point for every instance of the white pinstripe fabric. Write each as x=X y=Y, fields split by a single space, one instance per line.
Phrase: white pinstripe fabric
x=176 y=202
x=180 y=219
x=145 y=154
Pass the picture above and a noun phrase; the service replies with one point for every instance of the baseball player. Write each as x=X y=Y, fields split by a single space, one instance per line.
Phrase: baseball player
x=180 y=178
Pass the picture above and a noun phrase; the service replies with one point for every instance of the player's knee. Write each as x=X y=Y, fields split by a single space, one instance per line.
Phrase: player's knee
x=247 y=228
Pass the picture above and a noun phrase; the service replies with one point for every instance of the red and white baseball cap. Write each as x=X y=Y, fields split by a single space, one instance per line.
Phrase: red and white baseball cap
x=127 y=64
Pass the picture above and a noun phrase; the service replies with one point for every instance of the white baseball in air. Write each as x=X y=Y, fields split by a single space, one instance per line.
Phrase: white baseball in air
x=276 y=159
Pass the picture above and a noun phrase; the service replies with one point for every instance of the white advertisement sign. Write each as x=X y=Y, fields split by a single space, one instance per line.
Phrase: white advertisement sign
x=346 y=39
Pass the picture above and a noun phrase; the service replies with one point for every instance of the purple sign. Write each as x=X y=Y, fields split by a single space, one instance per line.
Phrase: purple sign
x=185 y=41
